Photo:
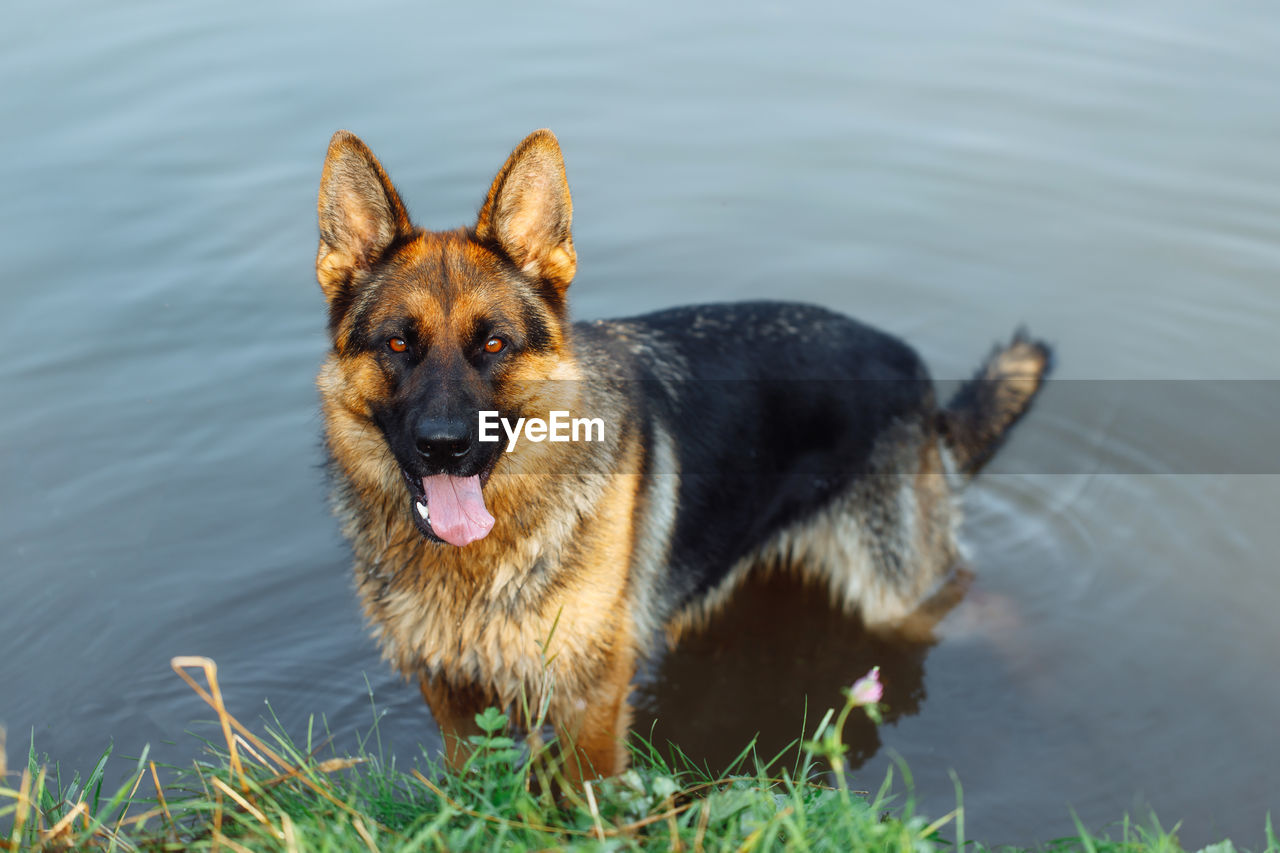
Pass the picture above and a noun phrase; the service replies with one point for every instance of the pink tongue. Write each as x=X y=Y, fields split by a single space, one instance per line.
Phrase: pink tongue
x=456 y=507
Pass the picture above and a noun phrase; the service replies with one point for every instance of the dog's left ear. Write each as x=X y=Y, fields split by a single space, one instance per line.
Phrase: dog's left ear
x=529 y=214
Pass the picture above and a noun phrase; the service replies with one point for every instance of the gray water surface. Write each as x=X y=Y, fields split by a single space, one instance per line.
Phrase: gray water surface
x=1108 y=175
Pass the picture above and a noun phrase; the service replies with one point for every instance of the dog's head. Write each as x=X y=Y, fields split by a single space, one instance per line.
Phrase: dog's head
x=431 y=328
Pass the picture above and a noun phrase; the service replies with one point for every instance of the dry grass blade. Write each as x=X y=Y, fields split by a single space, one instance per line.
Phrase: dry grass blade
x=669 y=816
x=214 y=699
x=217 y=819
x=219 y=838
x=178 y=662
x=248 y=747
x=22 y=805
x=147 y=815
x=363 y=832
x=290 y=835
x=247 y=806
x=329 y=765
x=703 y=820
x=4 y=767
x=673 y=828
x=164 y=806
x=595 y=810
x=64 y=826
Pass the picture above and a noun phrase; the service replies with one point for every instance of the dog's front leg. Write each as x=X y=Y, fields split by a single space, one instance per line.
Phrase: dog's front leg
x=454 y=707
x=592 y=727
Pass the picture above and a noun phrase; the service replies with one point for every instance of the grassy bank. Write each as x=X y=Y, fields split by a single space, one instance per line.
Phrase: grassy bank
x=269 y=792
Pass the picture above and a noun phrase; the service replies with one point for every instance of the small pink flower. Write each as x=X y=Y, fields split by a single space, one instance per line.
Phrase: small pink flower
x=868 y=690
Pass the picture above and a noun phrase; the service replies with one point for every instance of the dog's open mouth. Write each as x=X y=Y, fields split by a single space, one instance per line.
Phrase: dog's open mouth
x=449 y=509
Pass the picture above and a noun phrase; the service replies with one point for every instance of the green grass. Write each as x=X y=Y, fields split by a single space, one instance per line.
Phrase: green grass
x=269 y=792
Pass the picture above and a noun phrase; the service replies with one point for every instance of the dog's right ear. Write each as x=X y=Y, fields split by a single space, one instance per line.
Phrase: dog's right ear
x=361 y=214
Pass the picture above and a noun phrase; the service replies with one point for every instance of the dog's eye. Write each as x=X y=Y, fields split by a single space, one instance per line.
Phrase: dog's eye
x=397 y=345
x=494 y=345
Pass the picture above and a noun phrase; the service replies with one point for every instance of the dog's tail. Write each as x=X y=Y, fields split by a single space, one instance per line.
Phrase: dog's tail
x=980 y=415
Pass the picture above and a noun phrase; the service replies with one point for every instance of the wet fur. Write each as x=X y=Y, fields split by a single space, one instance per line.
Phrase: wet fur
x=738 y=436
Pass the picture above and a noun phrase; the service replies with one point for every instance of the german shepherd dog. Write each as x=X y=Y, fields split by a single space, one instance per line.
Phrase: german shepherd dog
x=737 y=435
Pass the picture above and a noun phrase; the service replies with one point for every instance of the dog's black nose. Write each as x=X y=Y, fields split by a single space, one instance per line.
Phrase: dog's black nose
x=442 y=439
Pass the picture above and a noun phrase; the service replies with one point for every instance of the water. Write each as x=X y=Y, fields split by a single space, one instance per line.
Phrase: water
x=1109 y=176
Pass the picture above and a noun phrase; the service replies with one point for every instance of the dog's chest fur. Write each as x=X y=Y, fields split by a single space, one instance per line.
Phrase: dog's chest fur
x=525 y=604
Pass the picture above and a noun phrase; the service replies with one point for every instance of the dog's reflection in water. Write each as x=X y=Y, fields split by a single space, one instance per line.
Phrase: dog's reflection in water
x=777 y=646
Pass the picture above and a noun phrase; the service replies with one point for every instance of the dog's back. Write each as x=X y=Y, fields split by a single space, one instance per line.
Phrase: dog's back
x=807 y=439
